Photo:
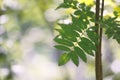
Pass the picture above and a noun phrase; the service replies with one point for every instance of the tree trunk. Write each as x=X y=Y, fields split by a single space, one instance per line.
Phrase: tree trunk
x=98 y=58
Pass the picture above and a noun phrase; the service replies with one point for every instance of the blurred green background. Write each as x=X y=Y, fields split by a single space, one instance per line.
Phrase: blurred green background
x=26 y=43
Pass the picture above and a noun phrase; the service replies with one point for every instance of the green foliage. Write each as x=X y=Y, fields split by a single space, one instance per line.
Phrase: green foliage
x=76 y=38
x=68 y=4
x=63 y=41
x=80 y=53
x=79 y=38
x=112 y=27
x=91 y=32
x=87 y=45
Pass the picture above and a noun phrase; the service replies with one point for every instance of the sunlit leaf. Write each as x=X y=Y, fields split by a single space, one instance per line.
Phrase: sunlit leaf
x=64 y=58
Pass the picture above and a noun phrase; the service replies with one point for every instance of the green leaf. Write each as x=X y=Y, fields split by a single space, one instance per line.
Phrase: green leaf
x=80 y=53
x=74 y=58
x=60 y=31
x=92 y=35
x=76 y=27
x=78 y=12
x=88 y=43
x=68 y=36
x=63 y=5
x=109 y=32
x=73 y=39
x=112 y=29
x=87 y=46
x=63 y=41
x=68 y=1
x=116 y=36
x=86 y=49
x=69 y=30
x=64 y=58
x=61 y=47
x=77 y=22
x=91 y=14
x=82 y=6
x=64 y=35
x=88 y=8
